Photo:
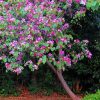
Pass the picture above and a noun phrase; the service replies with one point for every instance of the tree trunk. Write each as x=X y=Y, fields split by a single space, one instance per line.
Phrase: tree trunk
x=63 y=82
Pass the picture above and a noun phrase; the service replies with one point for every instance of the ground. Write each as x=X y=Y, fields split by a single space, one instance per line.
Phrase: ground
x=27 y=96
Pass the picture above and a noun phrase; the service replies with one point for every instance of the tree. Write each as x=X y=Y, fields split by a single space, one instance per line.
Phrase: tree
x=32 y=34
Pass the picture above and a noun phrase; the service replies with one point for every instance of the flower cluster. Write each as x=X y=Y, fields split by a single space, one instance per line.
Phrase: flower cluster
x=32 y=33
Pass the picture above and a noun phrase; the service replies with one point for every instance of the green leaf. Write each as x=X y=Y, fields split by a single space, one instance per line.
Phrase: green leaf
x=3 y=25
x=54 y=26
x=16 y=22
x=5 y=60
x=46 y=28
x=46 y=44
x=52 y=49
x=16 y=54
x=44 y=59
x=36 y=16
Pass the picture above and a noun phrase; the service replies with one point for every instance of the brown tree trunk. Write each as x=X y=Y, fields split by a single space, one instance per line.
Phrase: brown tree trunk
x=63 y=82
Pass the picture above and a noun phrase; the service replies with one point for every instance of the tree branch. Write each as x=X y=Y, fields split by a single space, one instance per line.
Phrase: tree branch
x=52 y=67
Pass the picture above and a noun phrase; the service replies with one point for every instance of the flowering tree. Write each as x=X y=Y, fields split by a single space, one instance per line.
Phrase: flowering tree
x=32 y=34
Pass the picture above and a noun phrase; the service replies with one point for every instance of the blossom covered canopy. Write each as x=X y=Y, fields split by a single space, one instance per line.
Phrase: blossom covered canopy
x=33 y=33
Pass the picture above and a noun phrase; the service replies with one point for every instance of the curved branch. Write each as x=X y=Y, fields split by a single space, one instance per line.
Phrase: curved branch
x=52 y=67
x=63 y=82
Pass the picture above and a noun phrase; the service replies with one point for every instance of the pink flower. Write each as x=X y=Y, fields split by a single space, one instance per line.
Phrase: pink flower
x=77 y=1
x=19 y=5
x=53 y=33
x=74 y=61
x=35 y=67
x=14 y=43
x=39 y=38
x=1 y=18
x=17 y=70
x=58 y=62
x=50 y=42
x=65 y=26
x=69 y=2
x=29 y=37
x=20 y=57
x=50 y=54
x=1 y=58
x=77 y=41
x=85 y=41
x=43 y=47
x=11 y=19
x=78 y=55
x=83 y=2
x=28 y=6
x=63 y=39
x=11 y=27
x=11 y=52
x=88 y=54
x=1 y=1
x=61 y=52
x=8 y=66
x=69 y=45
x=67 y=60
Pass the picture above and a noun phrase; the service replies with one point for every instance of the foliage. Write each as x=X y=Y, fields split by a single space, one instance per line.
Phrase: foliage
x=93 y=4
x=87 y=71
x=45 y=83
x=95 y=96
x=34 y=33
x=7 y=83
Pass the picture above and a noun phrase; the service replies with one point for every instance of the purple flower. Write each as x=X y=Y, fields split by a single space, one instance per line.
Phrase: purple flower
x=50 y=54
x=10 y=27
x=1 y=1
x=14 y=43
x=1 y=18
x=88 y=54
x=78 y=55
x=50 y=42
x=20 y=57
x=69 y=2
x=61 y=52
x=11 y=52
x=65 y=26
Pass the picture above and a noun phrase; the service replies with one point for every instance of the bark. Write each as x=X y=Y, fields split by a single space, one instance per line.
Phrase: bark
x=63 y=82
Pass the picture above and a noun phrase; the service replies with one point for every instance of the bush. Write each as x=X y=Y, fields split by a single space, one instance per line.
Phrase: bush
x=95 y=96
x=87 y=71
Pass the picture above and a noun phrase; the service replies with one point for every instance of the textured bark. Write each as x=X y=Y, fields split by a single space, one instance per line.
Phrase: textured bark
x=63 y=82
